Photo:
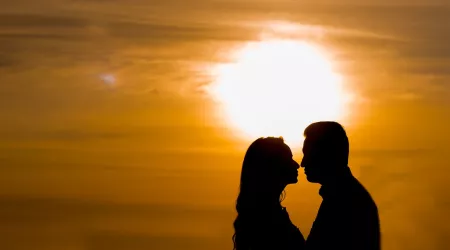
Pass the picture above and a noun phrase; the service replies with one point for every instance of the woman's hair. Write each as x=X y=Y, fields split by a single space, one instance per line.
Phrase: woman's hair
x=257 y=176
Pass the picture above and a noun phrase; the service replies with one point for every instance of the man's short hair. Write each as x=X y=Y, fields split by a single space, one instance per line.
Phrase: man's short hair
x=330 y=137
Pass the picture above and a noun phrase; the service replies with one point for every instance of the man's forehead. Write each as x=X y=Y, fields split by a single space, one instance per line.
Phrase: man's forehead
x=313 y=143
x=311 y=140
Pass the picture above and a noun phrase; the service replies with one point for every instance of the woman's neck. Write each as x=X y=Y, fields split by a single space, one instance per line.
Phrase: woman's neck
x=271 y=198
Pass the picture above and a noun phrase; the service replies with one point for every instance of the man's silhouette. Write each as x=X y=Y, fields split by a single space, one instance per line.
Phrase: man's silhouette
x=348 y=216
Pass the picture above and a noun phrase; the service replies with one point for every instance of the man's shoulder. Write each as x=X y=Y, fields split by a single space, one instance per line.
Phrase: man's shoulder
x=350 y=192
x=360 y=195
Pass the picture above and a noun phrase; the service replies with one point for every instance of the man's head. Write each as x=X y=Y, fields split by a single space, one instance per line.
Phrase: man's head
x=325 y=151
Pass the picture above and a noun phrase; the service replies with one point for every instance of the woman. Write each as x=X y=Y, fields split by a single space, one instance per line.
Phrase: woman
x=262 y=222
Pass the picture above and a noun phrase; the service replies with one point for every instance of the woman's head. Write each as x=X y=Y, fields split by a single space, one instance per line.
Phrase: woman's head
x=268 y=164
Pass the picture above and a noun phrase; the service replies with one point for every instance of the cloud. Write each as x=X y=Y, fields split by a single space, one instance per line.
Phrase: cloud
x=95 y=224
x=66 y=135
x=27 y=21
x=60 y=207
x=409 y=96
x=6 y=62
x=108 y=79
x=154 y=91
x=116 y=241
x=145 y=46
x=174 y=138
x=437 y=67
x=179 y=33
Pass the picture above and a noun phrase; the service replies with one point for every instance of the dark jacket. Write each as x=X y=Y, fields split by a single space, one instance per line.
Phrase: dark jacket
x=347 y=218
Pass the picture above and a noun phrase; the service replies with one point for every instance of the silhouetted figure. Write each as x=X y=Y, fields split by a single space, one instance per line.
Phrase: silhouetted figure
x=262 y=223
x=348 y=216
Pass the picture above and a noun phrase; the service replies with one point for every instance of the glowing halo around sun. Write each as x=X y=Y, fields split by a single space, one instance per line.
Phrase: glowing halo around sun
x=278 y=87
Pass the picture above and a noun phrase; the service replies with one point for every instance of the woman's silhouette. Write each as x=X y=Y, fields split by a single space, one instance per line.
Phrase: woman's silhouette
x=262 y=222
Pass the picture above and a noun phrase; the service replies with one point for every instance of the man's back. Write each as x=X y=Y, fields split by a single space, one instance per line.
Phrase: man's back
x=347 y=218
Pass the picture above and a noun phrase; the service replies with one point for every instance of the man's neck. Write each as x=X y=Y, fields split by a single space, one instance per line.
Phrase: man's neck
x=341 y=173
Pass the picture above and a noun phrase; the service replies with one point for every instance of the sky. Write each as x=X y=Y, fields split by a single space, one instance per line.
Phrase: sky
x=109 y=142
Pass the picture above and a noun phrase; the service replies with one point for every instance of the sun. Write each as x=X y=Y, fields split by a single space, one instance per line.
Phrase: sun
x=278 y=87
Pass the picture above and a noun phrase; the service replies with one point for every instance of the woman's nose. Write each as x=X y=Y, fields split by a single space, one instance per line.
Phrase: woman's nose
x=302 y=163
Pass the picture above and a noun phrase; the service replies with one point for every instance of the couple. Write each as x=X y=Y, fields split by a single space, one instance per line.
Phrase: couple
x=347 y=218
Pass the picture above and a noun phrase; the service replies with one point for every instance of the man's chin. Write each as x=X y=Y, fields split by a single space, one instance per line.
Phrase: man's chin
x=312 y=179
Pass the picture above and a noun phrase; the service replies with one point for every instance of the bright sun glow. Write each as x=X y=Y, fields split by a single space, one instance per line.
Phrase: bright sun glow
x=278 y=87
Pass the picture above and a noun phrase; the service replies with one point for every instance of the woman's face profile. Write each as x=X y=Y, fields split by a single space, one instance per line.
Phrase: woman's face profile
x=287 y=167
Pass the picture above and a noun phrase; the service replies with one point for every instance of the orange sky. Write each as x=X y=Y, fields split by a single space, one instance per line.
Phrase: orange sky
x=146 y=158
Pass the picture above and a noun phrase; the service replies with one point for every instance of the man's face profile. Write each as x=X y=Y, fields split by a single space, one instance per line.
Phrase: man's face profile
x=314 y=161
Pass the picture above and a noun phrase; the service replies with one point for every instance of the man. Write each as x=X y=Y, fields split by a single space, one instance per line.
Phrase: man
x=348 y=216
